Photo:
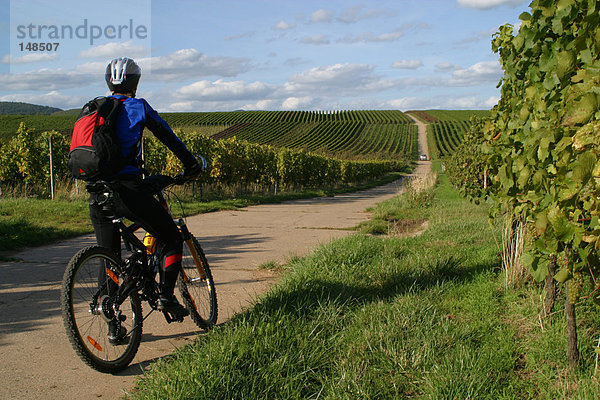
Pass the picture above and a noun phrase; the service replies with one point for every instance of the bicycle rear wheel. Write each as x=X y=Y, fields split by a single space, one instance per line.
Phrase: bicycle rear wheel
x=88 y=295
x=197 y=286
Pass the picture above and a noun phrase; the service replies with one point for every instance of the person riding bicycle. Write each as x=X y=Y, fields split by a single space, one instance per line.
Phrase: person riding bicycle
x=134 y=197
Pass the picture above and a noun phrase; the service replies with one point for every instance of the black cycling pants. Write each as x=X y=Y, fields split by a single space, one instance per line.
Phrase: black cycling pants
x=134 y=201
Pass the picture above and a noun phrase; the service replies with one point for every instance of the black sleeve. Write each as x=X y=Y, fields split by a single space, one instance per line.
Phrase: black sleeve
x=165 y=134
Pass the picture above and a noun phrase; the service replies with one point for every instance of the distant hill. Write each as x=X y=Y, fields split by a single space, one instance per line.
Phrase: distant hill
x=71 y=111
x=15 y=108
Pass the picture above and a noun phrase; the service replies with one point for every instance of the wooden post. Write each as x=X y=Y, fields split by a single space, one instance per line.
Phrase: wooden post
x=51 y=167
x=485 y=179
x=143 y=151
x=550 y=289
x=572 y=352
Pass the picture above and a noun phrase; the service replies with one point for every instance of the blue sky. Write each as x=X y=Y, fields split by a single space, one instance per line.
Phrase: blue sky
x=259 y=55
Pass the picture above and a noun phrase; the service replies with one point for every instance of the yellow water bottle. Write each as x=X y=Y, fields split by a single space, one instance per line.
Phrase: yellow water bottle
x=150 y=243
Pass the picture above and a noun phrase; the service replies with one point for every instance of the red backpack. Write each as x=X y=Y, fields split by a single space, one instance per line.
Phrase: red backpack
x=95 y=152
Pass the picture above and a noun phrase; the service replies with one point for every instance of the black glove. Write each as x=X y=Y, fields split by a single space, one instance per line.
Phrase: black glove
x=192 y=172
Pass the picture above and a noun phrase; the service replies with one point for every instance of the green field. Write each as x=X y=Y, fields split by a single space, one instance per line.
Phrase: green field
x=361 y=133
x=369 y=317
x=345 y=134
x=9 y=124
x=448 y=127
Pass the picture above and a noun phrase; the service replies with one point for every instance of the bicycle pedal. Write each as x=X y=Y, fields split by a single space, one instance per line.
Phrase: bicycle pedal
x=172 y=318
x=176 y=318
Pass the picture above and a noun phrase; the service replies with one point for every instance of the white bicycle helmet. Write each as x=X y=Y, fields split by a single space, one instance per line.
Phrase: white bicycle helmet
x=122 y=75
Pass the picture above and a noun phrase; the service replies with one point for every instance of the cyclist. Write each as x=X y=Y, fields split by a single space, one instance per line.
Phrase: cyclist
x=134 y=196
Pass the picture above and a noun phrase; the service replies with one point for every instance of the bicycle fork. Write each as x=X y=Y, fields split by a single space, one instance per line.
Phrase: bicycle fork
x=189 y=240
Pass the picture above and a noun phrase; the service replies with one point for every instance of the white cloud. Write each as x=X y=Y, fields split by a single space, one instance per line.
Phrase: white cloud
x=187 y=64
x=483 y=35
x=406 y=103
x=321 y=15
x=29 y=58
x=241 y=35
x=317 y=39
x=516 y=28
x=296 y=103
x=326 y=87
x=491 y=102
x=340 y=74
x=115 y=49
x=442 y=102
x=371 y=37
x=447 y=66
x=221 y=90
x=284 y=26
x=488 y=4
x=92 y=67
x=468 y=103
x=52 y=98
x=336 y=80
x=462 y=103
x=407 y=64
x=261 y=105
x=357 y=13
x=482 y=72
x=44 y=79
x=179 y=106
x=295 y=61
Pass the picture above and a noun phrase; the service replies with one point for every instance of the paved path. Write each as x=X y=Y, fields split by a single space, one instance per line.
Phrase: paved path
x=37 y=360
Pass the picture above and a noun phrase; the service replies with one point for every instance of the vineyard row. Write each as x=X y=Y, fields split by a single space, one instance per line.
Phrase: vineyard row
x=448 y=127
x=352 y=138
x=24 y=160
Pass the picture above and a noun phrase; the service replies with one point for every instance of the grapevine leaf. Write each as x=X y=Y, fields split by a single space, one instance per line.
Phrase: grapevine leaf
x=581 y=111
x=563 y=5
x=563 y=229
x=586 y=56
x=539 y=269
x=563 y=275
x=525 y=16
x=566 y=63
x=543 y=148
x=547 y=62
x=523 y=176
x=541 y=222
x=527 y=259
x=584 y=168
x=568 y=192
x=551 y=81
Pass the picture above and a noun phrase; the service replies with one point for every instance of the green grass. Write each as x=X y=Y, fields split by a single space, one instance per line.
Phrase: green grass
x=371 y=317
x=34 y=222
x=402 y=213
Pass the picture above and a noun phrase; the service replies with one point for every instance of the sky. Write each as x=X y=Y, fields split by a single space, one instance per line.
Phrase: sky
x=224 y=55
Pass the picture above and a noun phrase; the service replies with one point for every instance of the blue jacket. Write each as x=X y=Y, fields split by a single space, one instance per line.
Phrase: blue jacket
x=133 y=117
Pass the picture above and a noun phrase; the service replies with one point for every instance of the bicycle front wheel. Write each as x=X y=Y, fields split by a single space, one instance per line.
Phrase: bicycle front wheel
x=104 y=339
x=197 y=286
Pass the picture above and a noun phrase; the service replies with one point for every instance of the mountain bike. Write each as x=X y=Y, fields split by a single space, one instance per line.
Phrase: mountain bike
x=102 y=293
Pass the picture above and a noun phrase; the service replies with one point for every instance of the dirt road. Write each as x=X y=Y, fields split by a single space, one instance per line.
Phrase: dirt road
x=423 y=147
x=37 y=359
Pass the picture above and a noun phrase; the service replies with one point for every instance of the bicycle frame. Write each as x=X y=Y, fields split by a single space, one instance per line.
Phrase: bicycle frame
x=102 y=291
x=148 y=258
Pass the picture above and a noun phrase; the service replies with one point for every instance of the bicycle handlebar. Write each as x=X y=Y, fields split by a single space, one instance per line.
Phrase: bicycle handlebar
x=158 y=182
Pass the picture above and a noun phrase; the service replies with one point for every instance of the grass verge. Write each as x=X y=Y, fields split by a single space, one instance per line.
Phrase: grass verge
x=34 y=222
x=369 y=317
